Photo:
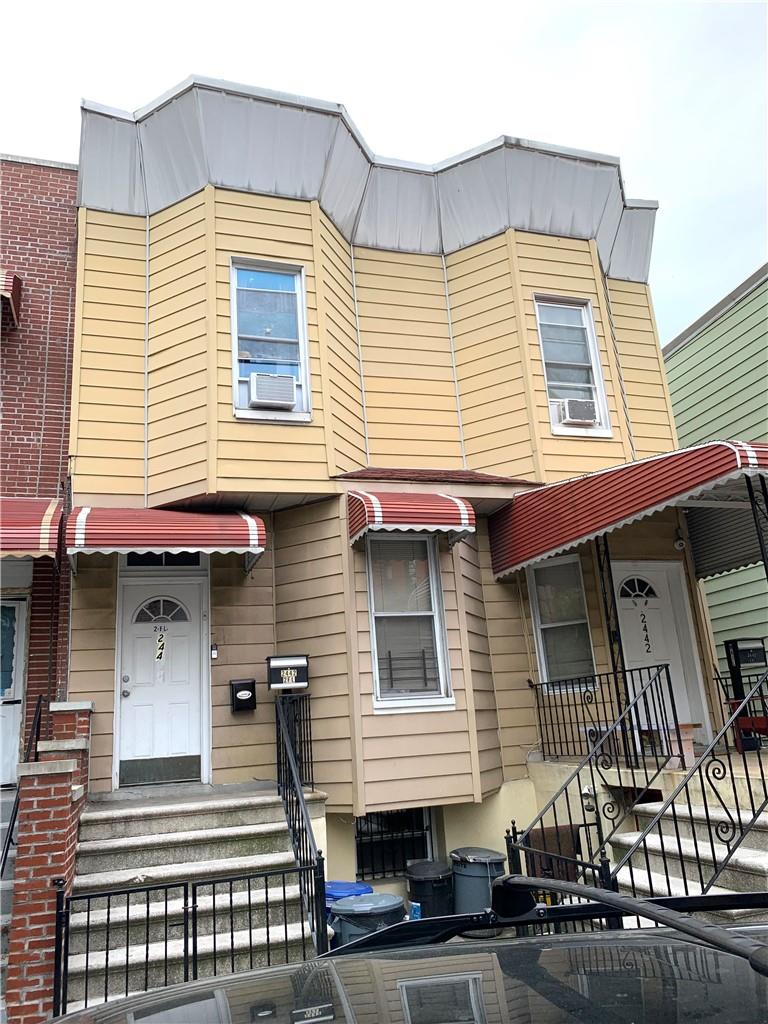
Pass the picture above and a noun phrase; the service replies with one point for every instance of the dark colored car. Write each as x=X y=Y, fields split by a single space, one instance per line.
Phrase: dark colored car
x=423 y=972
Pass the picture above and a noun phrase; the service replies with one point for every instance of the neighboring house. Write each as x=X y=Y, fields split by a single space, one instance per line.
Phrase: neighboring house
x=718 y=380
x=411 y=422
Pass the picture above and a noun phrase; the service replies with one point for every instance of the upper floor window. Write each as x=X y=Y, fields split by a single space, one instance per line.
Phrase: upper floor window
x=563 y=640
x=572 y=370
x=408 y=635
x=271 y=372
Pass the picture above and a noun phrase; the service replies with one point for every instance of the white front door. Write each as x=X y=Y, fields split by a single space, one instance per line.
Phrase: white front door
x=657 y=629
x=12 y=679
x=159 y=683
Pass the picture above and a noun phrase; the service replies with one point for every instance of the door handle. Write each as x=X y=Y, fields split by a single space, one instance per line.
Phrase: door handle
x=125 y=693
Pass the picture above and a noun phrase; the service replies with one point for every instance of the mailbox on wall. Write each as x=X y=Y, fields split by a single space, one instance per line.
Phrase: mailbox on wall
x=288 y=672
x=242 y=693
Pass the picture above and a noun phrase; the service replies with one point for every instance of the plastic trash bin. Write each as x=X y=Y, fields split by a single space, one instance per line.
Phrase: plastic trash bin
x=360 y=915
x=430 y=887
x=474 y=869
x=336 y=890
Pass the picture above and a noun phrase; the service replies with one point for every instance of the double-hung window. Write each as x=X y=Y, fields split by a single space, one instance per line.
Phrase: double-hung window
x=575 y=390
x=408 y=634
x=271 y=372
x=564 y=643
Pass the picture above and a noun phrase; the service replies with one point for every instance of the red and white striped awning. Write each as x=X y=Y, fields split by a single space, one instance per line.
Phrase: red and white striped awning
x=152 y=530
x=10 y=290
x=407 y=511
x=553 y=519
x=29 y=527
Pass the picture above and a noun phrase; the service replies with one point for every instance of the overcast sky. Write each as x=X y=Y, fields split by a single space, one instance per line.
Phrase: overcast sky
x=677 y=90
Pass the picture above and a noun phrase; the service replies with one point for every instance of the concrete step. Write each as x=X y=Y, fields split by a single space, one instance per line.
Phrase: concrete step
x=119 y=820
x=645 y=885
x=694 y=821
x=141 y=968
x=747 y=871
x=170 y=874
x=155 y=921
x=146 y=851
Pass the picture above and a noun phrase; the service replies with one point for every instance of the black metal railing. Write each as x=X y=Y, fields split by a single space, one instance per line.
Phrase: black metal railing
x=691 y=839
x=568 y=839
x=30 y=754
x=572 y=713
x=415 y=672
x=385 y=841
x=124 y=941
x=293 y=731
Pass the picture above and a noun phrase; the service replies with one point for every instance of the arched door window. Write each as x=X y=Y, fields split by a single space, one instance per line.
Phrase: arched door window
x=637 y=589
x=161 y=609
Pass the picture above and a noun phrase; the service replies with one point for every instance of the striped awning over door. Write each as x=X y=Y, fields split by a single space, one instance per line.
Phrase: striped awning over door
x=407 y=511
x=150 y=530
x=29 y=527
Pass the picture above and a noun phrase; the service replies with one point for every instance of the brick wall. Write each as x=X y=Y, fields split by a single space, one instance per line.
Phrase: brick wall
x=38 y=241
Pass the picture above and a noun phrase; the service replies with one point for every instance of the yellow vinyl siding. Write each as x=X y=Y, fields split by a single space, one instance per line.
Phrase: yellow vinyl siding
x=420 y=758
x=242 y=625
x=344 y=385
x=264 y=228
x=563 y=268
x=92 y=656
x=642 y=367
x=310 y=619
x=489 y=366
x=407 y=361
x=108 y=373
x=479 y=668
x=177 y=352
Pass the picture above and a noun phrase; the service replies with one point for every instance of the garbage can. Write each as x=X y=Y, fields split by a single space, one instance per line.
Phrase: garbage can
x=360 y=915
x=430 y=887
x=474 y=869
x=336 y=890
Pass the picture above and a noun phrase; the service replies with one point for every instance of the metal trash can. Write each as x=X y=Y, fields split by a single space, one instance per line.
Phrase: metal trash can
x=474 y=869
x=360 y=915
x=336 y=890
x=430 y=887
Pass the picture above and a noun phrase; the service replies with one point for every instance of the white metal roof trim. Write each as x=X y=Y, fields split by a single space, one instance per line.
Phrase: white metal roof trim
x=255 y=141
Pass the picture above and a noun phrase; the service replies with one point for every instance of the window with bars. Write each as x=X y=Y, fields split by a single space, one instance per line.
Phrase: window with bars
x=572 y=368
x=269 y=335
x=386 y=841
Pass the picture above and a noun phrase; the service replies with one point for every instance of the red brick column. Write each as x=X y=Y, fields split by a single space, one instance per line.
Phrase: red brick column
x=51 y=798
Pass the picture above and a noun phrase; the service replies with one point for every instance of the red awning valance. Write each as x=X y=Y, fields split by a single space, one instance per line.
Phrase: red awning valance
x=10 y=290
x=29 y=527
x=145 y=530
x=545 y=522
x=406 y=511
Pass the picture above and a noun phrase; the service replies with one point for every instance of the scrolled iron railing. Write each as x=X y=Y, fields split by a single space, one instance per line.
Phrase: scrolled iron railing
x=709 y=814
x=30 y=754
x=568 y=839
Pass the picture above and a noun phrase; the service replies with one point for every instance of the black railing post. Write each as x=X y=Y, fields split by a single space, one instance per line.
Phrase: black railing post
x=514 y=860
x=59 y=967
x=321 y=928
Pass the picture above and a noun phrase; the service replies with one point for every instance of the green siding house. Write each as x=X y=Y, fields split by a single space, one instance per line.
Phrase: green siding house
x=718 y=378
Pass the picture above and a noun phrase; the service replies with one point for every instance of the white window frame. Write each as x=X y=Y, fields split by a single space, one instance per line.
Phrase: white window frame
x=533 y=598
x=20 y=651
x=603 y=427
x=444 y=700
x=474 y=983
x=272 y=415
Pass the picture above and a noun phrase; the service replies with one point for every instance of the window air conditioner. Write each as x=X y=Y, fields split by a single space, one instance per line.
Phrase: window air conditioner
x=578 y=412
x=272 y=391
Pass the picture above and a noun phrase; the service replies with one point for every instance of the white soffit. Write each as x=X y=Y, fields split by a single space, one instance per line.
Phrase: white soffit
x=275 y=144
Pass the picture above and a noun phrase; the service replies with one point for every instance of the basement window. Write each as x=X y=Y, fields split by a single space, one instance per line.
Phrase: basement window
x=269 y=342
x=387 y=841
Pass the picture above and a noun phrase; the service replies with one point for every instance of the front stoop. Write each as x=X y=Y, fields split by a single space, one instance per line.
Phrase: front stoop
x=170 y=835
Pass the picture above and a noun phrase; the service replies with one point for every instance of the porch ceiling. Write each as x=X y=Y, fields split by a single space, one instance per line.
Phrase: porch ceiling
x=708 y=481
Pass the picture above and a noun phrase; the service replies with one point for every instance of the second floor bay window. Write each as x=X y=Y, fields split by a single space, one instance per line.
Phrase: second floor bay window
x=575 y=390
x=271 y=372
x=408 y=634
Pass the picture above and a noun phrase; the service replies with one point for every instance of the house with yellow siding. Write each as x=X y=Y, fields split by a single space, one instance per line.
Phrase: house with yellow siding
x=274 y=325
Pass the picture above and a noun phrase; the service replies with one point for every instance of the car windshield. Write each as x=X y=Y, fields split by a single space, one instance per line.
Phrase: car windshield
x=648 y=977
